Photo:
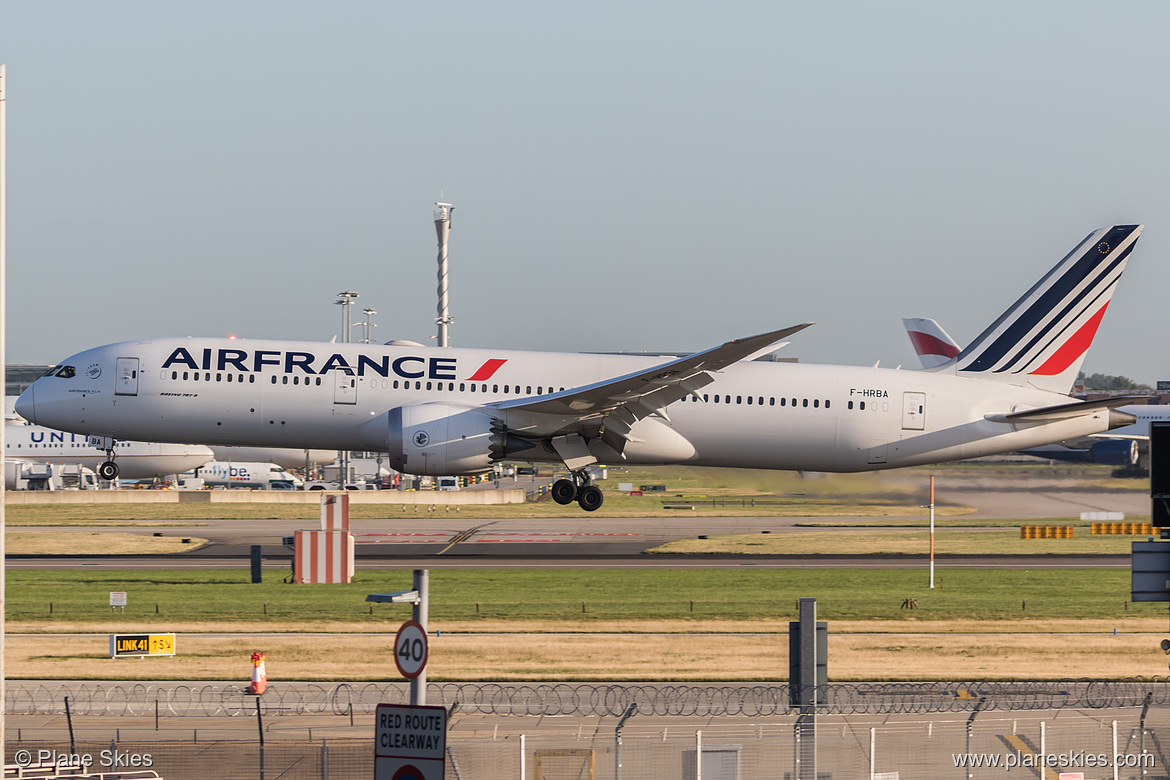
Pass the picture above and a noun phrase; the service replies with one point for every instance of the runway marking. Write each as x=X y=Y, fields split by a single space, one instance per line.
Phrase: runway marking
x=1024 y=746
x=462 y=536
x=550 y=533
x=468 y=536
x=442 y=536
x=397 y=541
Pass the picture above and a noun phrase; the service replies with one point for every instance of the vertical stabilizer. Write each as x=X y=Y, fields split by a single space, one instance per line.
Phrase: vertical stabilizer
x=1042 y=339
x=934 y=345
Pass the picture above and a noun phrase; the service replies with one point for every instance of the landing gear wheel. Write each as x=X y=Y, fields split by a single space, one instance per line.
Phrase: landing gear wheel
x=564 y=491
x=108 y=471
x=590 y=498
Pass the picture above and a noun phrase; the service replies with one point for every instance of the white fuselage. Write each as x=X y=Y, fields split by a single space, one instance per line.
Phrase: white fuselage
x=244 y=474
x=281 y=456
x=334 y=396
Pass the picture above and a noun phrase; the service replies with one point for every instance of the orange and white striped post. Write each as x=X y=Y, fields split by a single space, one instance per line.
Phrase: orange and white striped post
x=931 y=530
x=335 y=512
x=324 y=557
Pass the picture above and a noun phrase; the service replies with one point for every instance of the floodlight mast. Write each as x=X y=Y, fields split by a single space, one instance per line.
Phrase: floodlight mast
x=345 y=299
x=367 y=325
x=443 y=231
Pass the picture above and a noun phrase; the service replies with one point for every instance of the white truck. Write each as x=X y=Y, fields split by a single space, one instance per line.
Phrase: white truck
x=254 y=476
x=22 y=475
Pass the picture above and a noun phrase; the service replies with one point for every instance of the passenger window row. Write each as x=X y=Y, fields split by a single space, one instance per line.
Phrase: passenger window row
x=464 y=387
x=195 y=376
x=296 y=377
x=751 y=400
x=472 y=387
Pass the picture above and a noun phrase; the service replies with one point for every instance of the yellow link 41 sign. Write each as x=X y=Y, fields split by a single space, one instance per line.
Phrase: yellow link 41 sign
x=130 y=645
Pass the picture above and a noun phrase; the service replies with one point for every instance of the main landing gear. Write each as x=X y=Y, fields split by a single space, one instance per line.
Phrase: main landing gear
x=580 y=489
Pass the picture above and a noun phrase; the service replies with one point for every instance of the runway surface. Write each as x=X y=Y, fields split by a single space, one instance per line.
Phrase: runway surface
x=569 y=538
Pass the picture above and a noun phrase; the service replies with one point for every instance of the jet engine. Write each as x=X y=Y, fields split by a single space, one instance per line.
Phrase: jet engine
x=434 y=439
x=1115 y=452
x=1110 y=452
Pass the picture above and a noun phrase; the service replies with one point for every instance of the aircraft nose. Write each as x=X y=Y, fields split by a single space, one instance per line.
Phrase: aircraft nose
x=25 y=405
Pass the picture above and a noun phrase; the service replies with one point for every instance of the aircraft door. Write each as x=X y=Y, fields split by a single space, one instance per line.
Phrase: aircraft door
x=344 y=388
x=126 y=376
x=913 y=411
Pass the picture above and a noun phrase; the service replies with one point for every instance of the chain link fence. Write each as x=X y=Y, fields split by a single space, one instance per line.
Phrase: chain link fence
x=846 y=747
x=612 y=700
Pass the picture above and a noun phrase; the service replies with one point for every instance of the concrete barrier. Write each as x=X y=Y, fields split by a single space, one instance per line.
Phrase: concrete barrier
x=392 y=497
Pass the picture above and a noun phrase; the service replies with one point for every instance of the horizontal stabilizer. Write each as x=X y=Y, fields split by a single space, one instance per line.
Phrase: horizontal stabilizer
x=1061 y=411
x=1123 y=436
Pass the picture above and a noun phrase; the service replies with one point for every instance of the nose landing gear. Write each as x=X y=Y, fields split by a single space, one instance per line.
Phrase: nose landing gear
x=580 y=489
x=108 y=470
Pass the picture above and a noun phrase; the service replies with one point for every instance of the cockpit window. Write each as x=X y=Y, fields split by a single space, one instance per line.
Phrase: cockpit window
x=65 y=372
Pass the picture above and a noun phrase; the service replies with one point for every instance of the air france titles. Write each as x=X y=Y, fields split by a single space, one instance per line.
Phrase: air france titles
x=288 y=362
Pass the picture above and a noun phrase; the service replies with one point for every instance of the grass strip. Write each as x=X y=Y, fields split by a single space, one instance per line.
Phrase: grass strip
x=584 y=597
x=80 y=543
x=549 y=658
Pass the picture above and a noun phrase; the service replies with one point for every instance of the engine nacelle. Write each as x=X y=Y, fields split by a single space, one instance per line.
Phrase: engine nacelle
x=1110 y=452
x=1115 y=452
x=434 y=439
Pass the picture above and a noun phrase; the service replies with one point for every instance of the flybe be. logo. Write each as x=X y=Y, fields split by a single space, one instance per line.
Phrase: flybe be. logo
x=407 y=367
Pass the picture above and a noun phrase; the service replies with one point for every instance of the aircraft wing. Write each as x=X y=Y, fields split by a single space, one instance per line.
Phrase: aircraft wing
x=614 y=405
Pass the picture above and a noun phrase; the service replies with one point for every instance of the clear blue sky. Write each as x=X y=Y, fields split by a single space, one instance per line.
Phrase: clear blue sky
x=646 y=175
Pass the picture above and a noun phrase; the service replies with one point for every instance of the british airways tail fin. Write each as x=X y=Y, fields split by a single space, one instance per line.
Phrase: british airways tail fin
x=1042 y=339
x=934 y=345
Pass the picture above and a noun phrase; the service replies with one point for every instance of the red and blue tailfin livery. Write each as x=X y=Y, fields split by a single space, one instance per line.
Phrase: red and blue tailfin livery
x=1042 y=339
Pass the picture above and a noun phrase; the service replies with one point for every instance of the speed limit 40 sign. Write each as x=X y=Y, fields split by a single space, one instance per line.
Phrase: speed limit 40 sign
x=410 y=649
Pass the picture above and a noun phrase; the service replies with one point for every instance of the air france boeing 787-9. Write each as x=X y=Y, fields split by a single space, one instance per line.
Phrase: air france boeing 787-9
x=442 y=411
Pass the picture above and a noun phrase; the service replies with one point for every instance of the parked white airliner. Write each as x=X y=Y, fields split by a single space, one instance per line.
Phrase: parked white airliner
x=441 y=411
x=283 y=457
x=136 y=459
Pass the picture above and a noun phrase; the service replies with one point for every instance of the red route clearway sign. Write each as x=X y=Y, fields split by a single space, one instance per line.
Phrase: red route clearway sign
x=410 y=742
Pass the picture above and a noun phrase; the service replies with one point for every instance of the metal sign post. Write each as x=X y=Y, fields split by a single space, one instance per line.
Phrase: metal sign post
x=420 y=614
x=419 y=598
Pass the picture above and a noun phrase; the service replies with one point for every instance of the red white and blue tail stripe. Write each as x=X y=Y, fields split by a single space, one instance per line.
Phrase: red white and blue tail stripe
x=1042 y=339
